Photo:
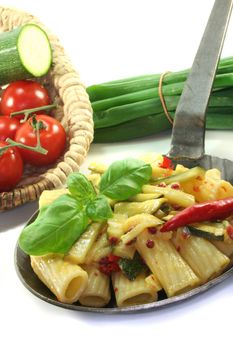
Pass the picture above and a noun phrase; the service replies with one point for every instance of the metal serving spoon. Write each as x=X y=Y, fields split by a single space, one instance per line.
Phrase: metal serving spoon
x=188 y=134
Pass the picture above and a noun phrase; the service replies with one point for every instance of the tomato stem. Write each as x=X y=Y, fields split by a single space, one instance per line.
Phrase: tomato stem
x=29 y=111
x=37 y=149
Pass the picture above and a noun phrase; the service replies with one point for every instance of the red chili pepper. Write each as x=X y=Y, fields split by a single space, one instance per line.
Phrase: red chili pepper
x=166 y=163
x=212 y=210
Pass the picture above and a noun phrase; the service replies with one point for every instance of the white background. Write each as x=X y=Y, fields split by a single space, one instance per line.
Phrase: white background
x=109 y=40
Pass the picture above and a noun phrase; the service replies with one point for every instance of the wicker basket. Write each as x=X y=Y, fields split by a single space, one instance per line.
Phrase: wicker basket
x=74 y=112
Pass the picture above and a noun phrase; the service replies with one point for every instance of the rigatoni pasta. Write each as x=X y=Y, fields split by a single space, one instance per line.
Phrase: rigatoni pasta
x=129 y=252
x=202 y=256
x=174 y=274
x=100 y=248
x=80 y=249
x=97 y=292
x=225 y=248
x=67 y=281
x=134 y=292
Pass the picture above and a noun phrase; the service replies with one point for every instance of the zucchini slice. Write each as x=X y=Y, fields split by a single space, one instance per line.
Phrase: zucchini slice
x=25 y=52
x=211 y=231
x=182 y=177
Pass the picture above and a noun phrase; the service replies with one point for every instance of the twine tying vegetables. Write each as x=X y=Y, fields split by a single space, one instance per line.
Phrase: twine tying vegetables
x=160 y=89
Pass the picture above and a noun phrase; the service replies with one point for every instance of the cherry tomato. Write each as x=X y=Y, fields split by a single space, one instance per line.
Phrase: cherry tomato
x=11 y=167
x=23 y=94
x=52 y=138
x=8 y=127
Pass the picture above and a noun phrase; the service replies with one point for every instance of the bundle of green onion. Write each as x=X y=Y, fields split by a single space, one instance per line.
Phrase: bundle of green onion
x=131 y=108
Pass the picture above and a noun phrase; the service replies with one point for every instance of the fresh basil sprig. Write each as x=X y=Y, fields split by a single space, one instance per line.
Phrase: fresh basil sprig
x=56 y=228
x=125 y=178
x=80 y=187
x=99 y=209
x=59 y=225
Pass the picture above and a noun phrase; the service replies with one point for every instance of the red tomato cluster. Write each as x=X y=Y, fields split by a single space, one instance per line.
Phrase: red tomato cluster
x=21 y=95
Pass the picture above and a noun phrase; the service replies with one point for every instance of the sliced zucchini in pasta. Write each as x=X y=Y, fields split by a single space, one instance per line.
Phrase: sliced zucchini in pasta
x=173 y=196
x=133 y=208
x=188 y=175
x=208 y=230
x=142 y=197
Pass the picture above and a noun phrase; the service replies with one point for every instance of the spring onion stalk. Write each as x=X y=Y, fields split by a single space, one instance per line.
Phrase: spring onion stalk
x=130 y=108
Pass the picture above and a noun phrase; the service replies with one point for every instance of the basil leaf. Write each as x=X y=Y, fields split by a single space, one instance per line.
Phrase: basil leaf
x=99 y=209
x=132 y=267
x=80 y=187
x=42 y=210
x=125 y=178
x=56 y=229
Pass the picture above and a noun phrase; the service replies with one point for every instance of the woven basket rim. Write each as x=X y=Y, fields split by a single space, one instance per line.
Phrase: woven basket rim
x=74 y=110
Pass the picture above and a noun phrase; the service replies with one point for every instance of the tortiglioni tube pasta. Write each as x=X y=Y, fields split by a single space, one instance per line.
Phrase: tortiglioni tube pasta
x=67 y=281
x=130 y=254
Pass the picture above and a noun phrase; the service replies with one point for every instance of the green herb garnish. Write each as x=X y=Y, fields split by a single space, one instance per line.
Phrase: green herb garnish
x=81 y=188
x=55 y=229
x=132 y=267
x=61 y=224
x=125 y=178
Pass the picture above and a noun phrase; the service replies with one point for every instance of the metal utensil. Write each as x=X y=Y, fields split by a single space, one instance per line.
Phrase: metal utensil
x=188 y=135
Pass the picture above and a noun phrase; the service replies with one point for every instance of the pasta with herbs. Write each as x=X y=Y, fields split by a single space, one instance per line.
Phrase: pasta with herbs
x=132 y=253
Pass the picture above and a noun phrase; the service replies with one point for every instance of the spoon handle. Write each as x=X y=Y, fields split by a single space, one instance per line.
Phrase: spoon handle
x=188 y=134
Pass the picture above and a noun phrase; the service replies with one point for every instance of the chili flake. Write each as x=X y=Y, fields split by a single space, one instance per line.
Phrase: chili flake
x=113 y=240
x=152 y=230
x=162 y=184
x=175 y=186
x=109 y=264
x=150 y=243
x=230 y=231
